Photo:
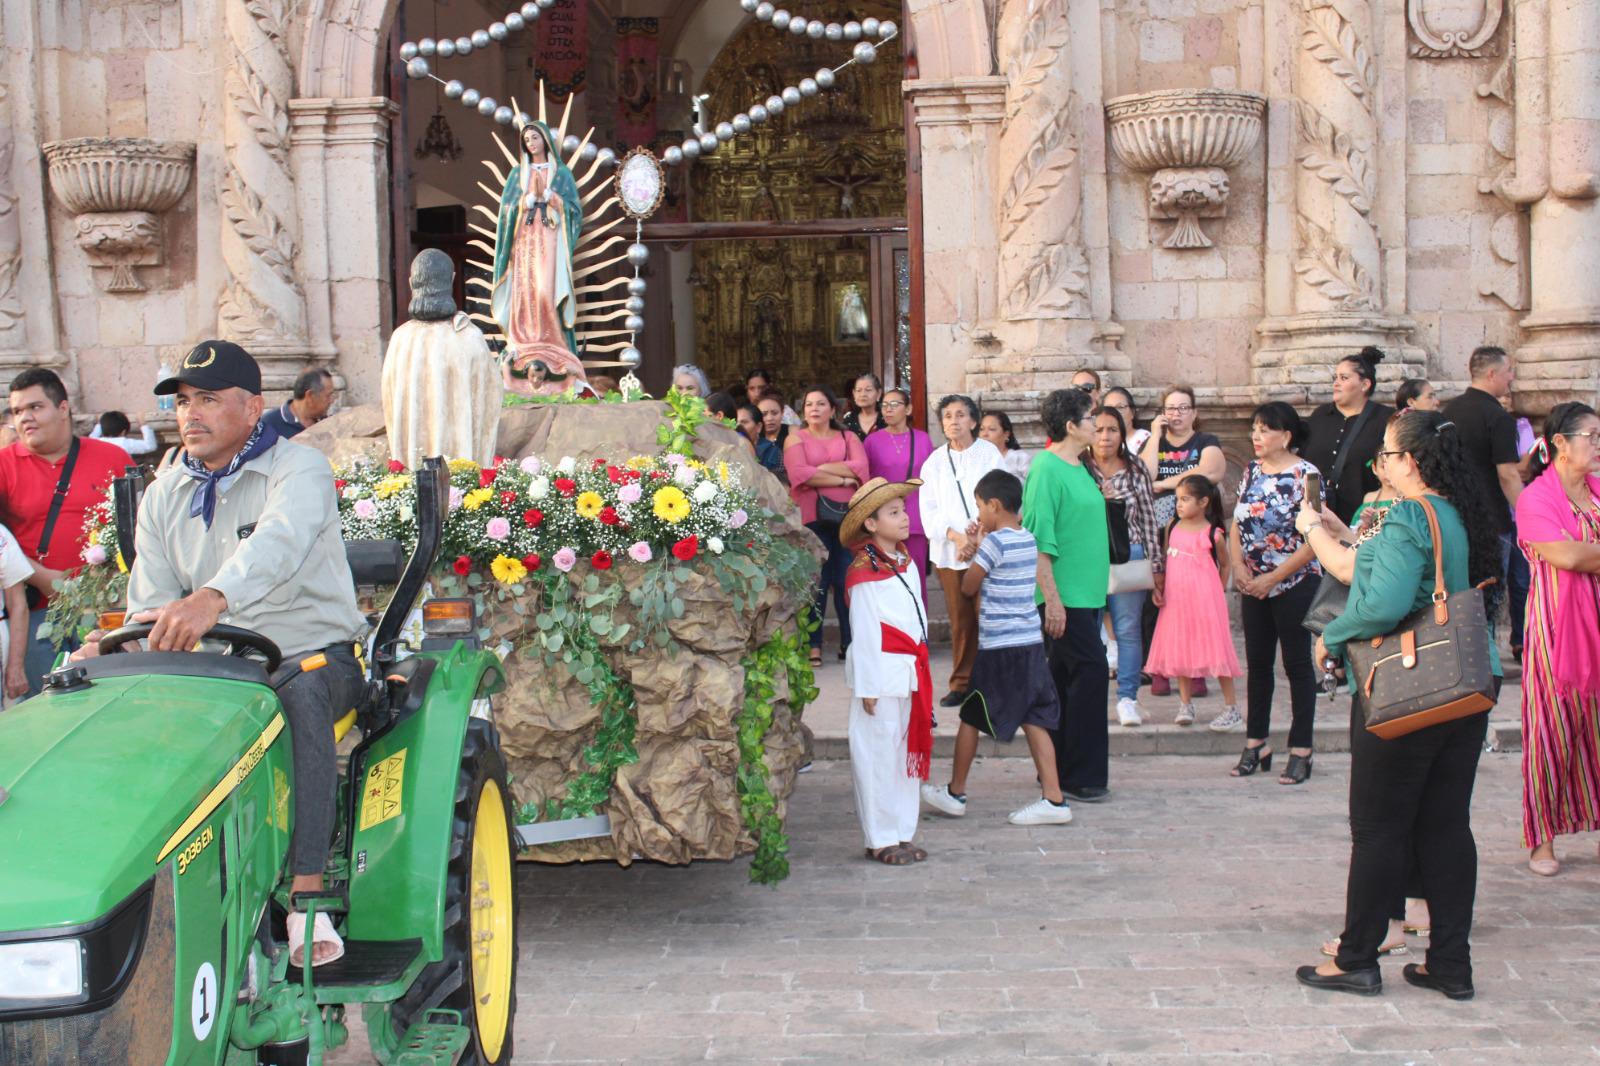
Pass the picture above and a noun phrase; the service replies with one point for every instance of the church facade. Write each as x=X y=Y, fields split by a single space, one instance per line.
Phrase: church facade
x=1226 y=193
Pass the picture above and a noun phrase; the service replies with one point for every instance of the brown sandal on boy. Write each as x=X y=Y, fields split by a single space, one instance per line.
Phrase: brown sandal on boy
x=893 y=855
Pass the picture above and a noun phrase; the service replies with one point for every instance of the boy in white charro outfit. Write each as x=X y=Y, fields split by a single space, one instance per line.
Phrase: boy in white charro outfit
x=891 y=714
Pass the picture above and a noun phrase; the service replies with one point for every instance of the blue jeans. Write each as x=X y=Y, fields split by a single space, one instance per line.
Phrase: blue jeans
x=40 y=655
x=1126 y=609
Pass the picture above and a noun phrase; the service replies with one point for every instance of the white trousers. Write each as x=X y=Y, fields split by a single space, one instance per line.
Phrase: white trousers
x=887 y=798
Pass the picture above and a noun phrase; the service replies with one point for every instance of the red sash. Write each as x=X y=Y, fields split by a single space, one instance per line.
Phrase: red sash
x=919 y=734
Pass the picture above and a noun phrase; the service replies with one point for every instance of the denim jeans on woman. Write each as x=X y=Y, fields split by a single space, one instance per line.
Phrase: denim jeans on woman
x=831 y=578
x=1127 y=613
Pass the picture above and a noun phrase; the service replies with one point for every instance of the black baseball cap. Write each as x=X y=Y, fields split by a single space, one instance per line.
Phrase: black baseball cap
x=215 y=365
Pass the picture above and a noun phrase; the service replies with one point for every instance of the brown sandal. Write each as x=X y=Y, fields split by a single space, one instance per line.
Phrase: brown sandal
x=893 y=855
x=917 y=854
x=816 y=656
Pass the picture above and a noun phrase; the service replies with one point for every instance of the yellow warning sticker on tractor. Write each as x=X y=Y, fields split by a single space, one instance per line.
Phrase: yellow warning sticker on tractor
x=381 y=795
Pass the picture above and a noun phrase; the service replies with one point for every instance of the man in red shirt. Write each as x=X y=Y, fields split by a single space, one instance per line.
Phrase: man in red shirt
x=30 y=471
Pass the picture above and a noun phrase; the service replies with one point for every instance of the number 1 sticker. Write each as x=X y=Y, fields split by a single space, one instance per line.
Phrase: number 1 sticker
x=203 y=1002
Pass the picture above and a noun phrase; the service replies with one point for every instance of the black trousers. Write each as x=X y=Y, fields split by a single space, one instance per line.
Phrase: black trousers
x=1269 y=625
x=1410 y=800
x=1078 y=667
x=312 y=702
x=831 y=579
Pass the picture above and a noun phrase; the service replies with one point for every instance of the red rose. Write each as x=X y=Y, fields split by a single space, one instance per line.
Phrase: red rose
x=566 y=486
x=499 y=461
x=608 y=515
x=686 y=548
x=600 y=560
x=657 y=474
x=509 y=499
x=532 y=516
x=339 y=484
x=396 y=466
x=596 y=464
x=531 y=561
x=487 y=475
x=614 y=475
x=463 y=565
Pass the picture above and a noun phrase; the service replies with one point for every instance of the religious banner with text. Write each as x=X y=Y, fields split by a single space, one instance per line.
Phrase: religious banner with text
x=638 y=46
x=563 y=55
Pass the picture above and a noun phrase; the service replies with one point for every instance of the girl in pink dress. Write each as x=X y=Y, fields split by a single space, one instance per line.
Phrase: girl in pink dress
x=1193 y=636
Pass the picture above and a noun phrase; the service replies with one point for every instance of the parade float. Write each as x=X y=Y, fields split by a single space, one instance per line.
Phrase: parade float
x=643 y=579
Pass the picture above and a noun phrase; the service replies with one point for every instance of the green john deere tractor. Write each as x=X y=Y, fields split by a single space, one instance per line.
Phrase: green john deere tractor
x=145 y=810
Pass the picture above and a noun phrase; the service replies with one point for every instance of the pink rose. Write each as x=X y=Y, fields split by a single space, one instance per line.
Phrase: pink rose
x=530 y=465
x=565 y=560
x=456 y=496
x=737 y=519
x=629 y=493
x=640 y=552
x=497 y=529
x=365 y=509
x=94 y=555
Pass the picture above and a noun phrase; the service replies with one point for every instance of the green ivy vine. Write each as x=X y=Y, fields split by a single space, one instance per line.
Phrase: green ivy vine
x=787 y=652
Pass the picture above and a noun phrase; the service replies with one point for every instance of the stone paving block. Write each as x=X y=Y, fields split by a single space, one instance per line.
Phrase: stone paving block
x=828 y=1023
x=1433 y=1037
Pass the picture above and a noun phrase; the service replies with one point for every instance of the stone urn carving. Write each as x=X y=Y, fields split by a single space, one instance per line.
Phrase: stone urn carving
x=118 y=188
x=1188 y=138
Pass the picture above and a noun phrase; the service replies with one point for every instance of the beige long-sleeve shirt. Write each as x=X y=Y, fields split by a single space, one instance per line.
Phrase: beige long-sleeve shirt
x=274 y=550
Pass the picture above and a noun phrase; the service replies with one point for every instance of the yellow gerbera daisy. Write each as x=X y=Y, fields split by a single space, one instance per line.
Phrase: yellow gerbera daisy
x=589 y=504
x=670 y=504
x=477 y=498
x=463 y=466
x=506 y=570
x=640 y=462
x=391 y=485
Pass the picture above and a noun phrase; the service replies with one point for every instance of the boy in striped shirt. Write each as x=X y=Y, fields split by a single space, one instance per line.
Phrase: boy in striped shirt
x=1011 y=685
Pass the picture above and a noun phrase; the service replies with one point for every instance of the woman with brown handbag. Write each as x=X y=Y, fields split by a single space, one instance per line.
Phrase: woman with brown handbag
x=1413 y=790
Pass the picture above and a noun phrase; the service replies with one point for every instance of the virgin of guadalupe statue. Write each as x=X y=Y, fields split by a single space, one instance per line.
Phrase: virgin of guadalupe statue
x=534 y=300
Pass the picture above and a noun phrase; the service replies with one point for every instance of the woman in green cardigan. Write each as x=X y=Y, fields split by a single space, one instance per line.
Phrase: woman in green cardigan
x=1413 y=792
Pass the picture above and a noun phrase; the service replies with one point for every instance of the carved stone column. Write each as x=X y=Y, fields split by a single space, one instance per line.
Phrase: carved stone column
x=262 y=304
x=1338 y=295
x=1556 y=171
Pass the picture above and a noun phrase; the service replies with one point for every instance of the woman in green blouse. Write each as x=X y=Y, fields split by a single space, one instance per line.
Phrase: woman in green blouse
x=1413 y=792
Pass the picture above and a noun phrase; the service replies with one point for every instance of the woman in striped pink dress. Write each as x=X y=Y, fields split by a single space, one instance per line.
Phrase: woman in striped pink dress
x=1558 y=528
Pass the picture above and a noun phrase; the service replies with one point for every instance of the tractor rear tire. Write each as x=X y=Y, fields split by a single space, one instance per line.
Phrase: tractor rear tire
x=482 y=985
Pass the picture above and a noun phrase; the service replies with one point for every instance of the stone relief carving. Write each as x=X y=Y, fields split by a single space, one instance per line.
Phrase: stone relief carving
x=10 y=232
x=263 y=302
x=1338 y=260
x=1454 y=29
x=117 y=187
x=1188 y=137
x=1044 y=272
x=1498 y=268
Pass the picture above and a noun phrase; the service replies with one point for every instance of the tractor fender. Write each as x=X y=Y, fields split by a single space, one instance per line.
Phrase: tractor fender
x=404 y=785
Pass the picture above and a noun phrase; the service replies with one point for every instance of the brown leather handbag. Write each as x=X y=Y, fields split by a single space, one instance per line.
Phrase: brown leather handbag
x=1435 y=667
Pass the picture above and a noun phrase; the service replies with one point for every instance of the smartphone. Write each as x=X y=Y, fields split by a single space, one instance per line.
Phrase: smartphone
x=1314 y=490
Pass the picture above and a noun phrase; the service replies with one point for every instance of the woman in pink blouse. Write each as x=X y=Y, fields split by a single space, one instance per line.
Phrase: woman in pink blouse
x=824 y=460
x=895 y=452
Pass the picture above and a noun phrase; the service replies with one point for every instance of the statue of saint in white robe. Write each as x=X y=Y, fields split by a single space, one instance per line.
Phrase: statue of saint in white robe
x=441 y=392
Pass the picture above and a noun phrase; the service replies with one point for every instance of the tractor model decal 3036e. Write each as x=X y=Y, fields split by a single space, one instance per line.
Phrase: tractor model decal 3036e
x=230 y=781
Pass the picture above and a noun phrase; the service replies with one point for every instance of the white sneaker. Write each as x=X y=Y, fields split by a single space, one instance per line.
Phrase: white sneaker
x=1229 y=719
x=939 y=798
x=1041 y=812
x=1185 y=714
x=1111 y=657
x=1128 y=712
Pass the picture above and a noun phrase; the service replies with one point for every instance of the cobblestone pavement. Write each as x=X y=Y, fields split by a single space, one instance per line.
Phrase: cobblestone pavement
x=1162 y=926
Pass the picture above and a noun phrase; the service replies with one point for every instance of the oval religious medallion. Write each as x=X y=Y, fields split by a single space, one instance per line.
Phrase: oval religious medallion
x=640 y=183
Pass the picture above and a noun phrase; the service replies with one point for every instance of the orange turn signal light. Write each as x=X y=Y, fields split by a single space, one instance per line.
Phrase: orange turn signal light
x=109 y=620
x=447 y=617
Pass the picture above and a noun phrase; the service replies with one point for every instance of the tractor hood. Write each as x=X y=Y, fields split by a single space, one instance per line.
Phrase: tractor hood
x=97 y=780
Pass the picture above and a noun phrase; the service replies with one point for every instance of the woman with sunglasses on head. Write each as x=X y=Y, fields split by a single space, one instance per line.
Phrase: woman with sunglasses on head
x=995 y=427
x=1411 y=795
x=896 y=450
x=1120 y=400
x=1558 y=529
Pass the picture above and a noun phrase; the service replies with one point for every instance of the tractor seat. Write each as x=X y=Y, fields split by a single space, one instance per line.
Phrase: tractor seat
x=344 y=725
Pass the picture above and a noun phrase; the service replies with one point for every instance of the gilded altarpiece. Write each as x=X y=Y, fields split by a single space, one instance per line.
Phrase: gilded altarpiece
x=839 y=155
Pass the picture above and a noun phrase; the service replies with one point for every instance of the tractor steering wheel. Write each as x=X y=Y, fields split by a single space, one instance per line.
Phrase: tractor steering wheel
x=238 y=641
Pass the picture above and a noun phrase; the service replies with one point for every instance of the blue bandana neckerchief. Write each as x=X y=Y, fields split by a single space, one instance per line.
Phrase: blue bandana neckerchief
x=204 y=504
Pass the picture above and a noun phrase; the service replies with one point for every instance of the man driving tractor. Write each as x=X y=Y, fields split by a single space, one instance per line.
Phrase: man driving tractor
x=244 y=530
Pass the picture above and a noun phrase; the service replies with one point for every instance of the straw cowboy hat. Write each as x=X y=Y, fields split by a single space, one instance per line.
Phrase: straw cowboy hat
x=865 y=503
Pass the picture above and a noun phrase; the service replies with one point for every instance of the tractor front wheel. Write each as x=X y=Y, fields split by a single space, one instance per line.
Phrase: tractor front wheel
x=478 y=974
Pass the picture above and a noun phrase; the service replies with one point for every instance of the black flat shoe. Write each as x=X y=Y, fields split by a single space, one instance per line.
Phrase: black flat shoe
x=1253 y=760
x=1298 y=770
x=1359 y=982
x=1414 y=975
x=953 y=699
x=1087 y=795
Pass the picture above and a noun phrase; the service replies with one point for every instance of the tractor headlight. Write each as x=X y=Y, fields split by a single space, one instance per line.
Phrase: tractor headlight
x=41 y=971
